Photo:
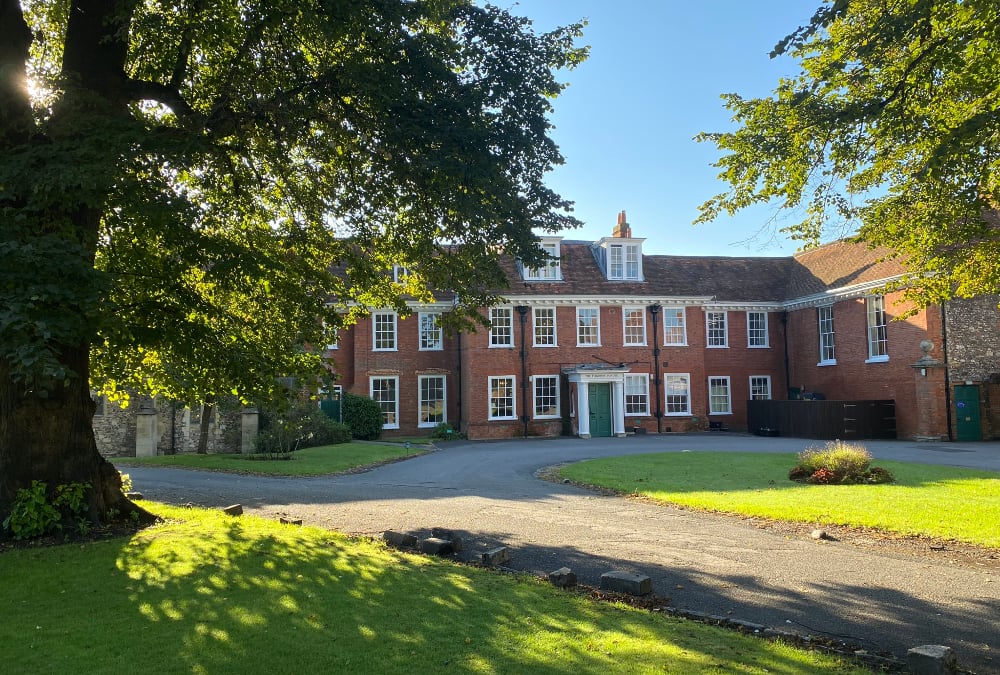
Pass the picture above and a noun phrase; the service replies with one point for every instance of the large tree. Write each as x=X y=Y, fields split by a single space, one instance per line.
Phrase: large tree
x=893 y=126
x=194 y=191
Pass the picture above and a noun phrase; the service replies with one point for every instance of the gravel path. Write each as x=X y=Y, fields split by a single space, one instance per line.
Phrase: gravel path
x=884 y=598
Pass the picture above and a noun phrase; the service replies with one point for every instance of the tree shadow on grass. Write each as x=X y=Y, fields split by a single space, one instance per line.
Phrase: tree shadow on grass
x=877 y=618
x=236 y=598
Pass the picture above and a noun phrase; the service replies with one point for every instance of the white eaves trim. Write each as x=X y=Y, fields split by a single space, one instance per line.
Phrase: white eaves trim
x=843 y=293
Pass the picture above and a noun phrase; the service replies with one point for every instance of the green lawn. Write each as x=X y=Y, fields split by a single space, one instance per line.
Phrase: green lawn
x=309 y=462
x=205 y=593
x=937 y=501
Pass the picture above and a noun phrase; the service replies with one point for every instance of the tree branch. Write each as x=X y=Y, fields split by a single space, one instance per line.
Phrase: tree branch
x=139 y=90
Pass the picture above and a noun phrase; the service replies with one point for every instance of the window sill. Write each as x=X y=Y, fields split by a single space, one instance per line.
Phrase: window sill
x=385 y=349
x=758 y=346
x=718 y=414
x=545 y=346
x=677 y=414
x=431 y=349
x=546 y=417
x=635 y=344
x=877 y=359
x=501 y=346
x=501 y=419
x=827 y=363
x=716 y=346
x=676 y=344
x=430 y=425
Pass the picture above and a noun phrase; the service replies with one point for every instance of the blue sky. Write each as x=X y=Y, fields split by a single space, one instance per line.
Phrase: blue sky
x=625 y=123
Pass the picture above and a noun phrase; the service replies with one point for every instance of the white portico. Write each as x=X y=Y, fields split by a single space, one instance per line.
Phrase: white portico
x=598 y=391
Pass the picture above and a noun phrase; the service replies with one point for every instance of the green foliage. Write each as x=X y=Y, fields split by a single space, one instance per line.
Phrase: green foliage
x=187 y=226
x=838 y=463
x=363 y=416
x=301 y=426
x=445 y=432
x=885 y=127
x=34 y=514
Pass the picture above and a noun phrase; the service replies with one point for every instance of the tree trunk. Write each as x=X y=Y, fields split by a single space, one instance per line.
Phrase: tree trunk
x=46 y=420
x=48 y=436
x=206 y=419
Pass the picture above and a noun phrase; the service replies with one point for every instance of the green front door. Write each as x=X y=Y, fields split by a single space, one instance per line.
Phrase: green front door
x=968 y=427
x=600 y=409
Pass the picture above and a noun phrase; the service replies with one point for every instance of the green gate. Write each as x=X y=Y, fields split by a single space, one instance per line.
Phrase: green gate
x=600 y=409
x=331 y=403
x=967 y=423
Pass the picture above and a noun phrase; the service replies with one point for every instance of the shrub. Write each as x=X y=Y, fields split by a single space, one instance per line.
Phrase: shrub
x=838 y=463
x=445 y=432
x=301 y=426
x=363 y=416
x=34 y=514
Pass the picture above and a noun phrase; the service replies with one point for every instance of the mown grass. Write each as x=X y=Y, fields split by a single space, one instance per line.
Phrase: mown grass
x=318 y=461
x=204 y=593
x=936 y=501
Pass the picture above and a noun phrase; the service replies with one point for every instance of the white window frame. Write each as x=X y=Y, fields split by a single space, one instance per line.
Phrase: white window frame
x=708 y=330
x=395 y=402
x=375 y=331
x=399 y=273
x=536 y=380
x=626 y=312
x=549 y=272
x=507 y=314
x=878 y=343
x=644 y=378
x=757 y=331
x=667 y=378
x=760 y=384
x=422 y=402
x=679 y=321
x=624 y=262
x=535 y=326
x=720 y=380
x=596 y=327
x=827 y=338
x=513 y=397
x=431 y=337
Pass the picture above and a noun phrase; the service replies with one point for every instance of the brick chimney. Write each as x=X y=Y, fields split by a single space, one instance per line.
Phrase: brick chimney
x=622 y=230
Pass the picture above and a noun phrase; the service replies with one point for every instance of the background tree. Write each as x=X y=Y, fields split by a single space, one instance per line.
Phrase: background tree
x=891 y=124
x=180 y=181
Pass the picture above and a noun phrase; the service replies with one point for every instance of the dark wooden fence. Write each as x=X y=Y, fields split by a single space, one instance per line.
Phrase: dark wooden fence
x=846 y=420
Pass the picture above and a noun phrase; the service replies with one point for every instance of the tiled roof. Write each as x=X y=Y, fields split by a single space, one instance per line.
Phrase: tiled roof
x=837 y=265
x=725 y=279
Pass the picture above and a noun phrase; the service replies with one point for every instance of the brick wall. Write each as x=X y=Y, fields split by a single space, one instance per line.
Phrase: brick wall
x=853 y=376
x=359 y=363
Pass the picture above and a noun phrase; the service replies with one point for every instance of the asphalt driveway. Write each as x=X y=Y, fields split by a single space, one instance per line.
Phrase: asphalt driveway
x=885 y=601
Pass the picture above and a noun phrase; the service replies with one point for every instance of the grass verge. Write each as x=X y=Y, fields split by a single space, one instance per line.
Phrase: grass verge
x=937 y=501
x=318 y=461
x=205 y=593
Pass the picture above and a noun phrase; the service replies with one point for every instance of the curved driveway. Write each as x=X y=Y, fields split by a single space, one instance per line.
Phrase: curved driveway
x=720 y=565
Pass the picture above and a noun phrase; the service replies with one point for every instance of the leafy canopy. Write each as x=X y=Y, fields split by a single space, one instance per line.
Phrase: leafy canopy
x=254 y=166
x=892 y=123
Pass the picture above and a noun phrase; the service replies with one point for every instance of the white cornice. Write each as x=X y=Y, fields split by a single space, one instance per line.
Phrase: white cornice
x=630 y=300
x=836 y=294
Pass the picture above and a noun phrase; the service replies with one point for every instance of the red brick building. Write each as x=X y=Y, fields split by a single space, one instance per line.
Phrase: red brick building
x=608 y=340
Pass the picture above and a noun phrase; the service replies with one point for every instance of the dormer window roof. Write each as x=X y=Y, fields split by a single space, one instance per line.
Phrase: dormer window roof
x=551 y=271
x=620 y=255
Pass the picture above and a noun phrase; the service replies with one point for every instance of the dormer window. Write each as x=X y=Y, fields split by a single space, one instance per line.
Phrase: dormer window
x=624 y=262
x=620 y=255
x=549 y=271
